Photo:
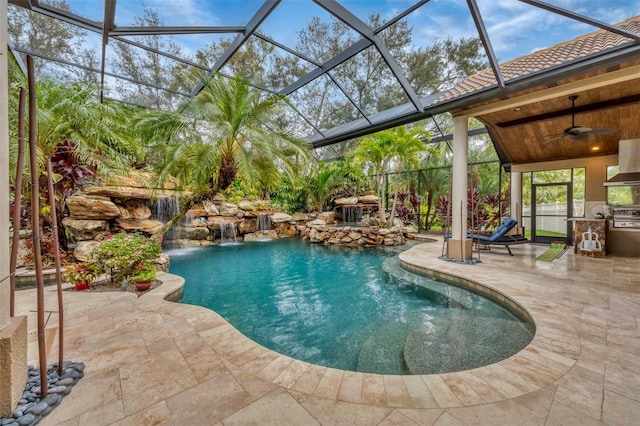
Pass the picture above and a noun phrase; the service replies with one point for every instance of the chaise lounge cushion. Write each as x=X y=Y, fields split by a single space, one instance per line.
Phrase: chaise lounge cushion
x=507 y=225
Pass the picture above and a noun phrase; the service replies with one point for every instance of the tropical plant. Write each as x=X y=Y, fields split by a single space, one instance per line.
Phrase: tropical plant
x=381 y=150
x=225 y=132
x=120 y=254
x=144 y=271
x=291 y=194
x=82 y=271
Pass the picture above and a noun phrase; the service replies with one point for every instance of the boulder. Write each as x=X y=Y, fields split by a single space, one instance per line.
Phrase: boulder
x=196 y=212
x=84 y=248
x=127 y=192
x=317 y=236
x=261 y=235
x=85 y=229
x=190 y=243
x=136 y=210
x=286 y=229
x=91 y=207
x=228 y=209
x=346 y=201
x=328 y=217
x=213 y=222
x=124 y=213
x=198 y=222
x=138 y=179
x=194 y=233
x=316 y=222
x=248 y=226
x=162 y=262
x=368 y=199
x=254 y=205
x=281 y=217
x=300 y=217
x=210 y=208
x=142 y=225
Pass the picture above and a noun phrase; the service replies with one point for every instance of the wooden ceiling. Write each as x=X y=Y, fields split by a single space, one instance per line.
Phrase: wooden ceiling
x=523 y=124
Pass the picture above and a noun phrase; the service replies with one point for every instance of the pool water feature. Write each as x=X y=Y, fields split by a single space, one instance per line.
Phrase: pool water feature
x=348 y=308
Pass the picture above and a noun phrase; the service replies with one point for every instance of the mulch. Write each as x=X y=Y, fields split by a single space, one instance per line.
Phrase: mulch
x=106 y=285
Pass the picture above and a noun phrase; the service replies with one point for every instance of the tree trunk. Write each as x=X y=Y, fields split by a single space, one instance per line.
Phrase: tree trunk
x=226 y=174
x=17 y=204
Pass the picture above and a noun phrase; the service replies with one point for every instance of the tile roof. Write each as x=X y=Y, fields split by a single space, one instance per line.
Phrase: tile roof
x=582 y=46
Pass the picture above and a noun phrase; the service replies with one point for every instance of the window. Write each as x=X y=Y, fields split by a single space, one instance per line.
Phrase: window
x=623 y=195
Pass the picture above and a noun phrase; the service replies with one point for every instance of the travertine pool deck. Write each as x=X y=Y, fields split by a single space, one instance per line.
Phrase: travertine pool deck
x=153 y=362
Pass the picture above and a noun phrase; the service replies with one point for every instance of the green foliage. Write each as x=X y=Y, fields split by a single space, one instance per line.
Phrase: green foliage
x=291 y=195
x=144 y=272
x=82 y=271
x=121 y=254
x=226 y=132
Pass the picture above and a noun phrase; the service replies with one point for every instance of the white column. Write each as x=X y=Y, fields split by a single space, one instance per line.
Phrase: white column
x=516 y=199
x=459 y=176
x=4 y=170
x=459 y=246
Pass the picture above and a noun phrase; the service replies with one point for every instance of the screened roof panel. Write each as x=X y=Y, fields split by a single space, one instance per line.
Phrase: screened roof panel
x=266 y=65
x=528 y=29
x=324 y=104
x=188 y=12
x=89 y=9
x=333 y=35
x=201 y=49
x=308 y=29
x=368 y=82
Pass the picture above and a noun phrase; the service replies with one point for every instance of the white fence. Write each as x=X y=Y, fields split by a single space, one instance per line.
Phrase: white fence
x=552 y=216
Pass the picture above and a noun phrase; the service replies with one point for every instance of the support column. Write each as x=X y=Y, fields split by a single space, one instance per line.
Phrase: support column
x=515 y=208
x=459 y=245
x=13 y=331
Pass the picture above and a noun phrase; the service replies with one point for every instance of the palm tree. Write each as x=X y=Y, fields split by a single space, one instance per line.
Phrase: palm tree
x=377 y=152
x=229 y=124
x=407 y=147
x=225 y=132
x=381 y=150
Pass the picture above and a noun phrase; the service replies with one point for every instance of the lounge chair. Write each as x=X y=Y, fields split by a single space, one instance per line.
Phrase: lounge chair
x=499 y=237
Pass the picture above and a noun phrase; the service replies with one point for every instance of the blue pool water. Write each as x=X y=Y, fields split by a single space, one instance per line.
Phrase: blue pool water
x=348 y=308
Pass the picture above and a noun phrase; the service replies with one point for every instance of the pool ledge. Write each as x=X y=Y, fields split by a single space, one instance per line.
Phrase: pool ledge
x=550 y=355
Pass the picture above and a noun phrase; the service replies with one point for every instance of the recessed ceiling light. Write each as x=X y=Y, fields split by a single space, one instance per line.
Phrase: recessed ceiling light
x=595 y=148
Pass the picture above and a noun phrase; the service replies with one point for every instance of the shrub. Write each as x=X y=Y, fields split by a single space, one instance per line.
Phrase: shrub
x=119 y=254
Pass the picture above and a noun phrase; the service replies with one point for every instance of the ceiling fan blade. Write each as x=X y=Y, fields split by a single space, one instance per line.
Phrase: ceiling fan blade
x=555 y=138
x=580 y=137
x=602 y=131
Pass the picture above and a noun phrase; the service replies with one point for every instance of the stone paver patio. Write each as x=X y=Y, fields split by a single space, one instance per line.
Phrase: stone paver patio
x=152 y=362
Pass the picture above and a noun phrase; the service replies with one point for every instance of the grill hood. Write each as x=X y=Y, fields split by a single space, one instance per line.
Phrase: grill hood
x=628 y=164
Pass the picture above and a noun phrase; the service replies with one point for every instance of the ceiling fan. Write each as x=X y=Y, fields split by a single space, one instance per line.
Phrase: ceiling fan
x=579 y=133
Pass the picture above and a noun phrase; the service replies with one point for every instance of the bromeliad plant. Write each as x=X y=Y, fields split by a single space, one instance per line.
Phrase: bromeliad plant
x=123 y=255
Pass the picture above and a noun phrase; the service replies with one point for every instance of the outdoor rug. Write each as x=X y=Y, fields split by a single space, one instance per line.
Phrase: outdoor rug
x=556 y=250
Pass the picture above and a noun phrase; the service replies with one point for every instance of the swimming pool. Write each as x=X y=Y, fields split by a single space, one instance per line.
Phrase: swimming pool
x=347 y=308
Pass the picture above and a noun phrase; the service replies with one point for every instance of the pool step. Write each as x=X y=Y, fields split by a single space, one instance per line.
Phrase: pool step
x=457 y=343
x=382 y=352
x=452 y=296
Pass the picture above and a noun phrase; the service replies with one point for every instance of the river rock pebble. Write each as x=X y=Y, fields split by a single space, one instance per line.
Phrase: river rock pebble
x=32 y=407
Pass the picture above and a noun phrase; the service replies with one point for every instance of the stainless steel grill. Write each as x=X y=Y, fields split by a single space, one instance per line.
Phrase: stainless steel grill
x=626 y=217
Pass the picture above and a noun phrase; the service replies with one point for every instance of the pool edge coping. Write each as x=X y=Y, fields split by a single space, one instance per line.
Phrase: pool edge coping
x=510 y=378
